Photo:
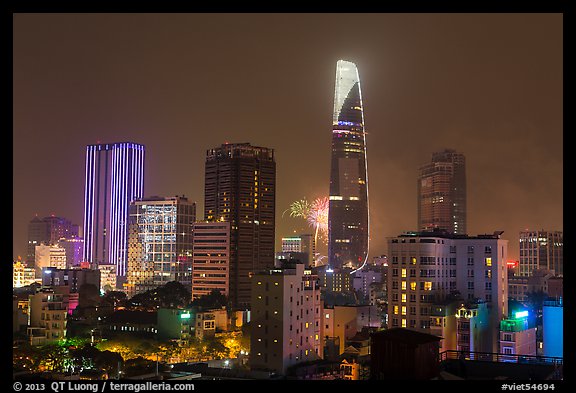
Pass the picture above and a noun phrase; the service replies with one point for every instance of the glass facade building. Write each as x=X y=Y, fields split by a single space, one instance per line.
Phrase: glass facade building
x=114 y=178
x=160 y=243
x=348 y=221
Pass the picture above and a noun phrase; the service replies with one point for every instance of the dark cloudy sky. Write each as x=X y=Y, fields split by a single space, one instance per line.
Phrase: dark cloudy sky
x=488 y=85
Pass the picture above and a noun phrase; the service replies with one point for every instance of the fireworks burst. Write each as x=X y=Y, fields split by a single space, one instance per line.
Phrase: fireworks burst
x=315 y=214
x=299 y=208
x=318 y=216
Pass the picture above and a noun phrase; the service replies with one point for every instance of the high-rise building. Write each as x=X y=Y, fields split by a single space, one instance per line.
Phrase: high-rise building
x=286 y=318
x=541 y=250
x=211 y=258
x=160 y=241
x=114 y=178
x=240 y=188
x=427 y=268
x=348 y=221
x=442 y=193
x=48 y=231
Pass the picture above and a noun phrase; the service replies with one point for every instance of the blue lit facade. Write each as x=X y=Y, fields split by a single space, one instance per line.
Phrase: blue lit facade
x=348 y=222
x=114 y=178
x=553 y=327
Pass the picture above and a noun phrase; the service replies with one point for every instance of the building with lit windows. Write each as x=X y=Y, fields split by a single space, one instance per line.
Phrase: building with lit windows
x=541 y=250
x=107 y=278
x=335 y=280
x=427 y=268
x=22 y=275
x=516 y=336
x=348 y=221
x=286 y=319
x=74 y=247
x=240 y=188
x=47 y=312
x=303 y=244
x=49 y=256
x=48 y=231
x=160 y=242
x=114 y=178
x=442 y=193
x=211 y=258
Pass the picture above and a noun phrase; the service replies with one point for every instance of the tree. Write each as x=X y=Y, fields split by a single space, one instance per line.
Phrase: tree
x=108 y=361
x=173 y=294
x=215 y=299
x=114 y=299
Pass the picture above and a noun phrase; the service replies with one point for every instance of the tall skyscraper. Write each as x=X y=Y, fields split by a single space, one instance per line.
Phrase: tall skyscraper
x=442 y=193
x=160 y=242
x=114 y=178
x=240 y=188
x=348 y=221
x=541 y=250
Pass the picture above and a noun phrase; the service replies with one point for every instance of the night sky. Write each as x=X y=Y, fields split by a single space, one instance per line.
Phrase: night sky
x=488 y=85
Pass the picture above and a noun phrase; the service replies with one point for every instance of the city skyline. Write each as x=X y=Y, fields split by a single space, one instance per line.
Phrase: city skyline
x=179 y=86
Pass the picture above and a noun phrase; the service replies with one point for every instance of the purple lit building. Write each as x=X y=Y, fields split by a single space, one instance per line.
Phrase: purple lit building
x=114 y=178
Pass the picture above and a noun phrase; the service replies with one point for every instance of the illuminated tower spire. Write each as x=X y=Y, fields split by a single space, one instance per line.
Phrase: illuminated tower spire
x=348 y=222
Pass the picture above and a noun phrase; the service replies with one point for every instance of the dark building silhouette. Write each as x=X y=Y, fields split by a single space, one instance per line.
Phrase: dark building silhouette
x=400 y=353
x=240 y=188
x=348 y=224
x=442 y=193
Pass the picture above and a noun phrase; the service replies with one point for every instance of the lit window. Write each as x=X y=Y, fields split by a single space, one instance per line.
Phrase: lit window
x=403 y=310
x=404 y=273
x=427 y=285
x=403 y=298
x=488 y=261
x=413 y=285
x=403 y=285
x=403 y=322
x=396 y=310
